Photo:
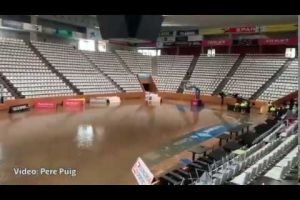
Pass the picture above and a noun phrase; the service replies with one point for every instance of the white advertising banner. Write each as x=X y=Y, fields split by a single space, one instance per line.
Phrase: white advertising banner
x=211 y=52
x=194 y=38
x=86 y=45
x=167 y=39
x=102 y=46
x=290 y=52
x=32 y=27
x=142 y=173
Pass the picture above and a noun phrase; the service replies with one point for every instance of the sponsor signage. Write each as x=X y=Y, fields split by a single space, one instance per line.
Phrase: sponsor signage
x=208 y=43
x=187 y=33
x=74 y=103
x=19 y=108
x=45 y=104
x=32 y=27
x=278 y=41
x=279 y=28
x=102 y=46
x=211 y=53
x=99 y=101
x=250 y=29
x=64 y=33
x=193 y=38
x=290 y=52
x=167 y=39
x=166 y=33
x=52 y=31
x=86 y=45
x=142 y=173
x=243 y=29
x=293 y=41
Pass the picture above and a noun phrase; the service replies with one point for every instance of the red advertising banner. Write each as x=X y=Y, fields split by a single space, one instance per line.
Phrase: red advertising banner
x=45 y=104
x=293 y=41
x=279 y=41
x=244 y=29
x=74 y=103
x=210 y=43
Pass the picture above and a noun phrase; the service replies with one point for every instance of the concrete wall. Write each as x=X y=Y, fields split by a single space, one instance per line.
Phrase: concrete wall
x=14 y=34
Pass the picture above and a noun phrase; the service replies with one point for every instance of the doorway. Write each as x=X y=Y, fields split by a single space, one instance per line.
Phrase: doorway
x=146 y=87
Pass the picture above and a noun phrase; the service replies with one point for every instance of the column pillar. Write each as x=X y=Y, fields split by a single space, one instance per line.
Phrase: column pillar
x=230 y=37
x=33 y=20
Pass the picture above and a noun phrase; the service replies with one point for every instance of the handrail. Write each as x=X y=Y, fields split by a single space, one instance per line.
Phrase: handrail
x=256 y=140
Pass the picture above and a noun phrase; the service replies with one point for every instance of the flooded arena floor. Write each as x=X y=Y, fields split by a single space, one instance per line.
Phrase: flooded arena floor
x=98 y=145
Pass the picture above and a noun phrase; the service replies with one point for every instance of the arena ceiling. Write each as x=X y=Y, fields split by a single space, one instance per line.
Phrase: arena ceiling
x=187 y=21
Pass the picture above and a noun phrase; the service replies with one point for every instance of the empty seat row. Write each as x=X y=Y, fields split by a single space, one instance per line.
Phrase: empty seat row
x=136 y=62
x=24 y=70
x=265 y=159
x=284 y=85
x=109 y=64
x=171 y=70
x=255 y=68
x=5 y=93
x=74 y=66
x=210 y=71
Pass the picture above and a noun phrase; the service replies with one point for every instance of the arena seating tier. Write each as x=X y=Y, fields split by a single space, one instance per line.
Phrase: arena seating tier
x=27 y=72
x=74 y=66
x=284 y=85
x=6 y=94
x=253 y=73
x=32 y=78
x=109 y=65
x=136 y=62
x=210 y=71
x=171 y=71
x=245 y=164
